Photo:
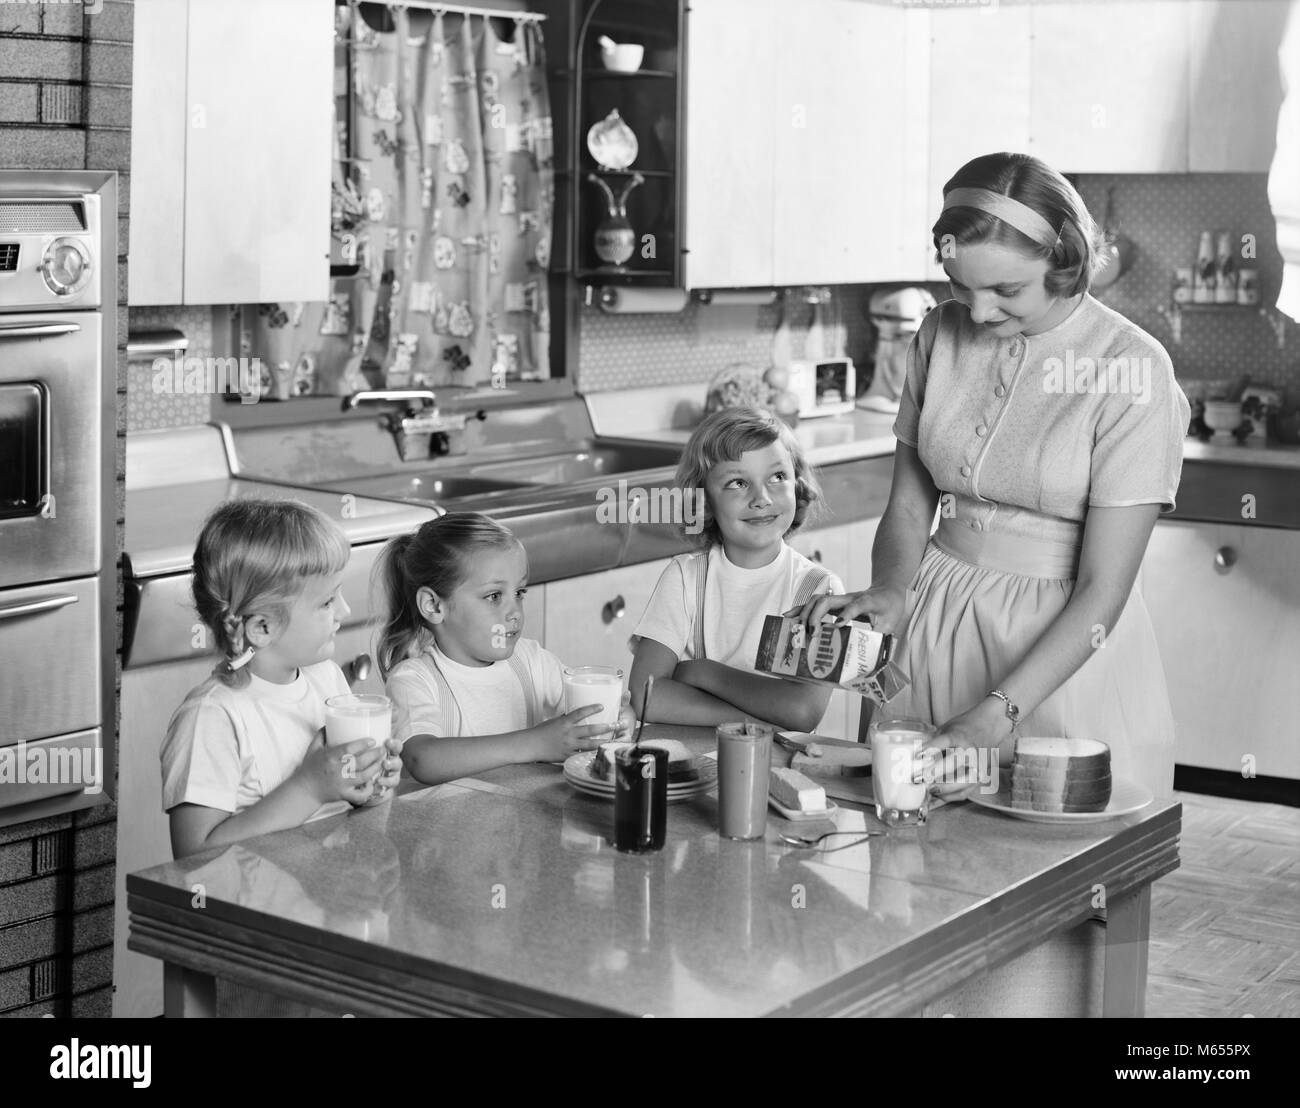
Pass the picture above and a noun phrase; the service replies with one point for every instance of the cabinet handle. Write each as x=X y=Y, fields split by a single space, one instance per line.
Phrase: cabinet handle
x=817 y=556
x=35 y=607
x=614 y=609
x=1225 y=558
x=359 y=669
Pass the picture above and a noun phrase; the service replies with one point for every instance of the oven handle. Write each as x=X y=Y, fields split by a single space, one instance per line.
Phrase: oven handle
x=36 y=330
x=34 y=607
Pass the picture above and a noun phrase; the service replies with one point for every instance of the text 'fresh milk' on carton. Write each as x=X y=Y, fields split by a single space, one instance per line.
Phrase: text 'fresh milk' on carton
x=848 y=655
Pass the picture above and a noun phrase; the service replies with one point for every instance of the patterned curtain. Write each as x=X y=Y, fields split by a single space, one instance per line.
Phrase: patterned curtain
x=446 y=206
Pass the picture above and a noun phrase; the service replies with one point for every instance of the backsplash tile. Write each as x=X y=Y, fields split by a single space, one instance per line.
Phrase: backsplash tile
x=1163 y=214
x=147 y=410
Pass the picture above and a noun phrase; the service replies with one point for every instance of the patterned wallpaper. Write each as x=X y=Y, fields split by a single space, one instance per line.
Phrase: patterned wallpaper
x=1163 y=214
x=147 y=410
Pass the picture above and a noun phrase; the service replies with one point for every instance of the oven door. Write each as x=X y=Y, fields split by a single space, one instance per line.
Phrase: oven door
x=51 y=393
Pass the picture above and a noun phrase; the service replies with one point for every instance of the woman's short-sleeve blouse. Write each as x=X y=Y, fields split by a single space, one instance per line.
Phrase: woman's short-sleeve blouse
x=1085 y=415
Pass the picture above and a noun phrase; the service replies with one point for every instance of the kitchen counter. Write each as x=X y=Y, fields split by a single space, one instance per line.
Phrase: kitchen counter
x=176 y=478
x=1255 y=452
x=501 y=895
x=668 y=414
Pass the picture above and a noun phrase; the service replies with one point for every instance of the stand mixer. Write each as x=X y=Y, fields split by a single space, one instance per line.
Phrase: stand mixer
x=897 y=317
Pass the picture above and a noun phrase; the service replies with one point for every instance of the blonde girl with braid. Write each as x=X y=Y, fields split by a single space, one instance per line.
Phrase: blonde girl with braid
x=244 y=754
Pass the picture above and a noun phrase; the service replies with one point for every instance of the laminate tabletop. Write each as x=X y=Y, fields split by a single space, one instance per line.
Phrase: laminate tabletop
x=502 y=894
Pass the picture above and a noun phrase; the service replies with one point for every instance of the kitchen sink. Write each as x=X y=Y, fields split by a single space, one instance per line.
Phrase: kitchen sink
x=423 y=486
x=585 y=463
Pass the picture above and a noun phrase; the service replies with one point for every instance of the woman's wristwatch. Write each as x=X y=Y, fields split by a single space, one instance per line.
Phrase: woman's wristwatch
x=1013 y=711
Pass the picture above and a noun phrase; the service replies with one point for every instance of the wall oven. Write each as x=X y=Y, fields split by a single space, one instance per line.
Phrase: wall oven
x=58 y=337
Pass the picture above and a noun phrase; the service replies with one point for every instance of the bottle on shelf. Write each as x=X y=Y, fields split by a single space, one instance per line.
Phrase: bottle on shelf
x=1225 y=276
x=1203 y=276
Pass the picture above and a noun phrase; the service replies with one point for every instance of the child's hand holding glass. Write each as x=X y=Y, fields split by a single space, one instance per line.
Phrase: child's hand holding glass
x=389 y=774
x=347 y=772
x=567 y=734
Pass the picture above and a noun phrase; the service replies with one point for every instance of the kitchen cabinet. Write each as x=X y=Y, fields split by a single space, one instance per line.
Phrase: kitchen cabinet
x=978 y=76
x=1091 y=66
x=232 y=141
x=1234 y=84
x=1225 y=603
x=799 y=125
x=590 y=619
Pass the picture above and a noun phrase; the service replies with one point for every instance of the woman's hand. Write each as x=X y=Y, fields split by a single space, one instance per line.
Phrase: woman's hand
x=389 y=774
x=567 y=734
x=884 y=606
x=957 y=746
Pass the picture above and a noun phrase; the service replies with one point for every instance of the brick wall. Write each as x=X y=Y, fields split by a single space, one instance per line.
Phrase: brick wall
x=65 y=103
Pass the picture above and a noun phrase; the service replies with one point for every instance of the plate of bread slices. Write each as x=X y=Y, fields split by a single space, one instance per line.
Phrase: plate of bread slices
x=1057 y=780
x=592 y=771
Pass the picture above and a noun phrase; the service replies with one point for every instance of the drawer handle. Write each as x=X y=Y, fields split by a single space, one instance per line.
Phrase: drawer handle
x=359 y=669
x=613 y=610
x=35 y=607
x=1225 y=558
x=36 y=330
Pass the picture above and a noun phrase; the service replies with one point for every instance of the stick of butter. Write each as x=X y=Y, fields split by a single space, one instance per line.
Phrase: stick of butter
x=793 y=790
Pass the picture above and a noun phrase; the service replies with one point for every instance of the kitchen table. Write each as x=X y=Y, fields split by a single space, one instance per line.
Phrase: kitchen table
x=500 y=895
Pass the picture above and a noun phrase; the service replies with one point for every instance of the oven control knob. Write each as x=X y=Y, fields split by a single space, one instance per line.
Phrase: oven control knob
x=65 y=267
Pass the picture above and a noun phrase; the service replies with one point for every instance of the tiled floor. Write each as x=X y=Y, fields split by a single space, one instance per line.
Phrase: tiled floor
x=1225 y=926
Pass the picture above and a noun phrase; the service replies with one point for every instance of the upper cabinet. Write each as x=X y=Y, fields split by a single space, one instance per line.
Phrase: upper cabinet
x=799 y=121
x=231 y=147
x=1108 y=86
x=1234 y=84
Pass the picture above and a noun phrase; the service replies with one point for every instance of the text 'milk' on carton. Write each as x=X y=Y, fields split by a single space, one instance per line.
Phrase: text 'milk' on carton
x=848 y=655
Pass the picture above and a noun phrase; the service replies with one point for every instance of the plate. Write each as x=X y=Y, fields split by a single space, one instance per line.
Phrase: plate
x=802 y=817
x=1126 y=797
x=577 y=772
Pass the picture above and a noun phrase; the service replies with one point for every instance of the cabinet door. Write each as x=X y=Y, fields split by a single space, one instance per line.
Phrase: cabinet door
x=258 y=151
x=1230 y=641
x=1234 y=84
x=158 y=131
x=1109 y=86
x=731 y=58
x=840 y=136
x=590 y=619
x=979 y=94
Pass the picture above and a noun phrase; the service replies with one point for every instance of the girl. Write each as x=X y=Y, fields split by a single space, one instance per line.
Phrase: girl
x=469 y=693
x=244 y=754
x=700 y=632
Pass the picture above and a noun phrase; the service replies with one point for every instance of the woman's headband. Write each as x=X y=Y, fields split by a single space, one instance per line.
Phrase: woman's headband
x=1012 y=212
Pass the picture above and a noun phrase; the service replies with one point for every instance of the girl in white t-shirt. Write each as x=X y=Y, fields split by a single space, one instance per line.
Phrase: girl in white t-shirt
x=746 y=479
x=244 y=754
x=469 y=693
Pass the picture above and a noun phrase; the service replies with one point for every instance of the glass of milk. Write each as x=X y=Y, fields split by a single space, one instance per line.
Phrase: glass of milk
x=601 y=685
x=353 y=716
x=899 y=770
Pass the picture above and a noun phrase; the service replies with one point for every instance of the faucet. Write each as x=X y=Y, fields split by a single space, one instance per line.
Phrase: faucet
x=420 y=431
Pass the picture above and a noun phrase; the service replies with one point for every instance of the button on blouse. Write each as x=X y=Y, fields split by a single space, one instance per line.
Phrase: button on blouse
x=1059 y=439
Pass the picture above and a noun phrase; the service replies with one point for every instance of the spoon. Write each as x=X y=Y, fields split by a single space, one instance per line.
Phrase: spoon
x=808 y=844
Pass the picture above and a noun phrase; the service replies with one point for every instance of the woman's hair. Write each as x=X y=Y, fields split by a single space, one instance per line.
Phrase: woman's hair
x=251 y=559
x=1073 y=259
x=437 y=556
x=723 y=437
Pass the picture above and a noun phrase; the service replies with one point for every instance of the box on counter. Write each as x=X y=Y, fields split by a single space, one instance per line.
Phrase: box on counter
x=847 y=655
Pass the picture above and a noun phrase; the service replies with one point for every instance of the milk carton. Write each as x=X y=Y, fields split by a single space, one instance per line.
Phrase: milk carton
x=848 y=655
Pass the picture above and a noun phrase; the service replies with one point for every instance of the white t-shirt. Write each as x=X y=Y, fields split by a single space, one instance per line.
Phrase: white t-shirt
x=735 y=602
x=490 y=698
x=228 y=748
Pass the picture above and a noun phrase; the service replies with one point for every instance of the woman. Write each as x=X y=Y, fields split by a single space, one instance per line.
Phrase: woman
x=1047 y=429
